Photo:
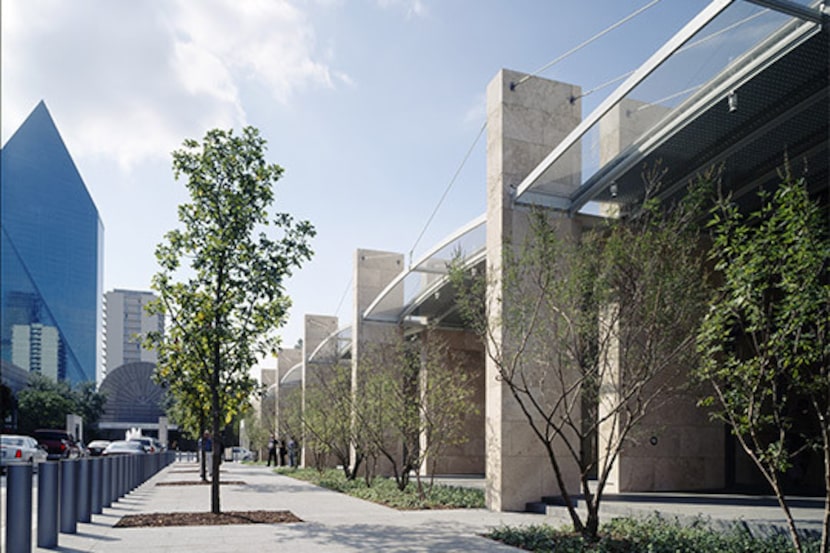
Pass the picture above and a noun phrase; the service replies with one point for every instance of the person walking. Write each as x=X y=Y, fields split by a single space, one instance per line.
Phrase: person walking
x=207 y=455
x=283 y=451
x=292 y=452
x=272 y=451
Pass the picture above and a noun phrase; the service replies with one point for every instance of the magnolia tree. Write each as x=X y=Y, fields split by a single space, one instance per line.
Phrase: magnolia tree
x=222 y=278
x=589 y=334
x=765 y=341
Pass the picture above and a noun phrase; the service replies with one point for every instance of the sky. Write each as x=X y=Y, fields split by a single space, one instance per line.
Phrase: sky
x=369 y=105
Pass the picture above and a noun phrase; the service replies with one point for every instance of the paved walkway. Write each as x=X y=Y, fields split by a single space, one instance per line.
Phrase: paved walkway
x=334 y=522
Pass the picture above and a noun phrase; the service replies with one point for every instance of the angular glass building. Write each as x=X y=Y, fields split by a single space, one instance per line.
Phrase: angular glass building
x=52 y=256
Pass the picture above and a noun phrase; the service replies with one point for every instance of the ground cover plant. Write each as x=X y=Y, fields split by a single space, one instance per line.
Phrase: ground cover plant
x=385 y=491
x=653 y=534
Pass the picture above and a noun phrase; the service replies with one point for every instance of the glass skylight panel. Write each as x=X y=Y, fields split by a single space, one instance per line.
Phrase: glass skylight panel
x=722 y=48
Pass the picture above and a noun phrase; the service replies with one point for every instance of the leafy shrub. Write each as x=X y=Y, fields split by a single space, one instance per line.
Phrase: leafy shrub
x=652 y=534
x=385 y=491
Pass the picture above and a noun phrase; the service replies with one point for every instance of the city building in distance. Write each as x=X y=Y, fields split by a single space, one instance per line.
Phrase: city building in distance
x=126 y=323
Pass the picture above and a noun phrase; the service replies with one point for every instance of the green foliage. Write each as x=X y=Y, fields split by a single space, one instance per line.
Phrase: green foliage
x=409 y=389
x=44 y=403
x=586 y=317
x=385 y=491
x=652 y=534
x=257 y=431
x=765 y=342
x=222 y=279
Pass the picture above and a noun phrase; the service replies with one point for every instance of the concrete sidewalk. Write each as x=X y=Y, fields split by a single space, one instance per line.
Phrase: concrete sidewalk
x=334 y=522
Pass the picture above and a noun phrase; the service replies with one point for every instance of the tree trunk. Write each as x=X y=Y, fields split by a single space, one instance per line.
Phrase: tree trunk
x=825 y=527
x=201 y=452
x=796 y=539
x=215 y=506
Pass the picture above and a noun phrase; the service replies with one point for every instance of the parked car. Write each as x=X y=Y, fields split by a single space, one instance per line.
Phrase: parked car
x=59 y=444
x=17 y=450
x=124 y=447
x=147 y=443
x=97 y=447
x=237 y=453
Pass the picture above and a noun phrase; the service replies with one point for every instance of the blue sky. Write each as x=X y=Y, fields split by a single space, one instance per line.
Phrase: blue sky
x=369 y=105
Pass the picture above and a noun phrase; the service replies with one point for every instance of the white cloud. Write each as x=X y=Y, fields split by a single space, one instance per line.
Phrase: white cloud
x=414 y=8
x=130 y=80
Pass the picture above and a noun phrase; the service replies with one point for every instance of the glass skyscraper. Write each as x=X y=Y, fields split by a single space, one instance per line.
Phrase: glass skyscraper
x=52 y=256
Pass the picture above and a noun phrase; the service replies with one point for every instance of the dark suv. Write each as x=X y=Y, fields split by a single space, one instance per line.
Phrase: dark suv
x=59 y=444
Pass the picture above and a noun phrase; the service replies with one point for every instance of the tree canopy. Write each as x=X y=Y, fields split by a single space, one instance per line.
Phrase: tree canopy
x=44 y=403
x=765 y=341
x=222 y=277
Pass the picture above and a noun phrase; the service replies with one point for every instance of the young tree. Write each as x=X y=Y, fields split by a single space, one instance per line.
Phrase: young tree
x=413 y=399
x=588 y=334
x=764 y=342
x=258 y=430
x=221 y=282
x=327 y=417
x=291 y=413
x=188 y=401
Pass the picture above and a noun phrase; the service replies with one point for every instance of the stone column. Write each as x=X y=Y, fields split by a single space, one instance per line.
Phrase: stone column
x=287 y=359
x=524 y=124
x=675 y=446
x=373 y=271
x=317 y=329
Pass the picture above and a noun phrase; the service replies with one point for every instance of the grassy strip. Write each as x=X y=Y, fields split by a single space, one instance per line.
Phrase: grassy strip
x=653 y=534
x=385 y=492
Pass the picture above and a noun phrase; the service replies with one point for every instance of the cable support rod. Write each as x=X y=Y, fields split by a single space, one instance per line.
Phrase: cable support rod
x=585 y=43
x=343 y=297
x=446 y=191
x=683 y=49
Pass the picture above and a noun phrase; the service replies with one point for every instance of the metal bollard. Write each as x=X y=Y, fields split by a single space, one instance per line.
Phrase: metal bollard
x=119 y=476
x=106 y=481
x=19 y=509
x=96 y=507
x=117 y=484
x=69 y=497
x=122 y=476
x=84 y=491
x=47 y=504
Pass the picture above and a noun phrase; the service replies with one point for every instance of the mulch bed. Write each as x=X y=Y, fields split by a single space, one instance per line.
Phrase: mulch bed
x=201 y=483
x=206 y=519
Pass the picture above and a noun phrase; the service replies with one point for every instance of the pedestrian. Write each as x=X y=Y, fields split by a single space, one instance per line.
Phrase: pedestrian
x=292 y=452
x=282 y=453
x=207 y=444
x=272 y=451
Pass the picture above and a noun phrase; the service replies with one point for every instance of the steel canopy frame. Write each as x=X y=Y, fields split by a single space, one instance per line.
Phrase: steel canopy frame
x=416 y=268
x=675 y=43
x=688 y=113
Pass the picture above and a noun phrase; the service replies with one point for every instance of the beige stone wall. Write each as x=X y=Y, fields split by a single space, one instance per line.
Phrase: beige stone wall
x=524 y=124
x=316 y=329
x=373 y=271
x=676 y=446
x=467 y=458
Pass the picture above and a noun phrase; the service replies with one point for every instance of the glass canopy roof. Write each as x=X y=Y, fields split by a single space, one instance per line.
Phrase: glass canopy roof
x=335 y=347
x=425 y=279
x=714 y=55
